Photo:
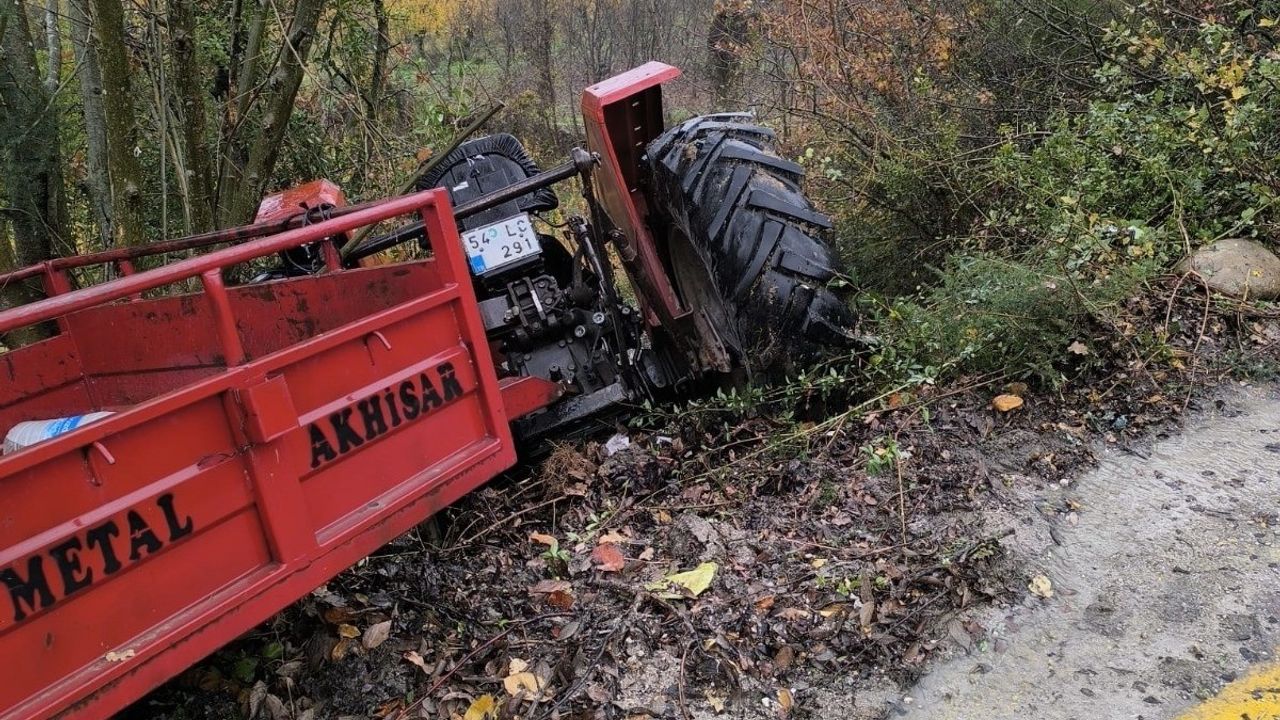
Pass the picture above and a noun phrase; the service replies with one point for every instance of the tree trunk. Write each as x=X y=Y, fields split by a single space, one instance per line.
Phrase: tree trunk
x=262 y=149
x=53 y=45
x=107 y=22
x=95 y=122
x=30 y=165
x=543 y=54
x=188 y=93
x=727 y=41
x=381 y=47
x=247 y=75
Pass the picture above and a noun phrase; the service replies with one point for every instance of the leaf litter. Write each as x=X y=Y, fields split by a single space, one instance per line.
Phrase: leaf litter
x=705 y=571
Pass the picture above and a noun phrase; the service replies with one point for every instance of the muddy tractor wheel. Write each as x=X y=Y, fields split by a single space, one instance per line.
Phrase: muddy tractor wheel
x=745 y=244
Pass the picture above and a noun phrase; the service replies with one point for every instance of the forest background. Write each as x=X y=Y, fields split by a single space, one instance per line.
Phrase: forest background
x=1005 y=174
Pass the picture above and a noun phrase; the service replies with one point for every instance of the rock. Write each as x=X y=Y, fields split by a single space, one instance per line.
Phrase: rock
x=1236 y=267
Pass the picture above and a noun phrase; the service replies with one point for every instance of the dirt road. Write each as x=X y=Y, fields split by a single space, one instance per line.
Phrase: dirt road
x=1165 y=571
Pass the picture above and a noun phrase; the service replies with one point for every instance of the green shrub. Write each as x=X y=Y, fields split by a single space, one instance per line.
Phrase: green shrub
x=1176 y=149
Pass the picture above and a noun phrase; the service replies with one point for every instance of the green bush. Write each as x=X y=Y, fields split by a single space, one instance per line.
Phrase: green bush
x=1176 y=148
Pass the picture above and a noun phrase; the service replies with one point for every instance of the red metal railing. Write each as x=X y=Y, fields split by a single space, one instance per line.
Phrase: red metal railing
x=122 y=258
x=63 y=300
x=255 y=517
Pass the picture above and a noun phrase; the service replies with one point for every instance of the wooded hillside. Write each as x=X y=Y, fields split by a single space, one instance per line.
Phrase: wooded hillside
x=973 y=153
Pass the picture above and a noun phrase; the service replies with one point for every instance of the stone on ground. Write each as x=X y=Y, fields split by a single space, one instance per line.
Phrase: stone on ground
x=1237 y=267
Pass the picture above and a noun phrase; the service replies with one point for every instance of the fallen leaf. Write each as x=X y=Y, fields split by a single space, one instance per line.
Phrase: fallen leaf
x=1005 y=403
x=376 y=634
x=613 y=536
x=817 y=563
x=522 y=683
x=1078 y=348
x=340 y=650
x=348 y=631
x=560 y=600
x=866 y=614
x=793 y=613
x=913 y=655
x=517 y=666
x=256 y=696
x=414 y=658
x=1040 y=586
x=765 y=602
x=119 y=655
x=544 y=539
x=695 y=581
x=832 y=610
x=569 y=630
x=339 y=615
x=785 y=700
x=549 y=586
x=481 y=708
x=716 y=701
x=608 y=557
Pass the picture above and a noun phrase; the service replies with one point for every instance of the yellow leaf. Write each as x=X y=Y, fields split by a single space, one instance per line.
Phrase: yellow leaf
x=522 y=682
x=481 y=708
x=340 y=650
x=832 y=610
x=1266 y=22
x=348 y=631
x=1040 y=586
x=696 y=581
x=1238 y=92
x=1005 y=403
x=785 y=700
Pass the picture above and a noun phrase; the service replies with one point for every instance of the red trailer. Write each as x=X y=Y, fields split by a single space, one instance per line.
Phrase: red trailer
x=269 y=434
x=267 y=437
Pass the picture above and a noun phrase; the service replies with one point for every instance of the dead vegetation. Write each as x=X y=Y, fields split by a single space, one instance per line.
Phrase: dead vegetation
x=727 y=558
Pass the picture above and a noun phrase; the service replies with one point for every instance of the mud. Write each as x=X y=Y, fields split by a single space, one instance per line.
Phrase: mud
x=1165 y=570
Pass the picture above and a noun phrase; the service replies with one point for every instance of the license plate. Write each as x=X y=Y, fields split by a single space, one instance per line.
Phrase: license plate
x=502 y=243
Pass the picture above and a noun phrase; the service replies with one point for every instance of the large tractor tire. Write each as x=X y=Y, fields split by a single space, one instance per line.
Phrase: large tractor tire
x=744 y=242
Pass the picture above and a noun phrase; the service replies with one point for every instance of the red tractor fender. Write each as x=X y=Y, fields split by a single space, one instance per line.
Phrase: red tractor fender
x=622 y=115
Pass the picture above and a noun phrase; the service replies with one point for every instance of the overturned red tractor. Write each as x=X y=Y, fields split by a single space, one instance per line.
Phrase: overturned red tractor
x=217 y=454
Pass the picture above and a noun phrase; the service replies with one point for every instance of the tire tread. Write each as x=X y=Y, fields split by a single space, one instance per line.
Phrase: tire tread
x=723 y=183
